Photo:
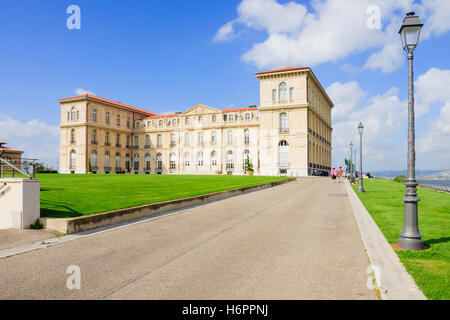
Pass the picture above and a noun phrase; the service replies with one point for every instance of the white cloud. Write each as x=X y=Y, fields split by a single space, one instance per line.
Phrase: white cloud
x=332 y=30
x=81 y=92
x=225 y=33
x=38 y=140
x=167 y=112
x=346 y=98
x=385 y=119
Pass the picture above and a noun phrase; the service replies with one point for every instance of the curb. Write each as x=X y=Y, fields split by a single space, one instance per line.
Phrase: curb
x=84 y=223
x=392 y=279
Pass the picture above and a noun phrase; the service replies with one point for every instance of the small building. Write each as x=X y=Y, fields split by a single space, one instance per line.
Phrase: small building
x=12 y=155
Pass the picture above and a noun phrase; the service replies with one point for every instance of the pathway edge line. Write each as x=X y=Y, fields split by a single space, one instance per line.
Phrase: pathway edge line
x=393 y=281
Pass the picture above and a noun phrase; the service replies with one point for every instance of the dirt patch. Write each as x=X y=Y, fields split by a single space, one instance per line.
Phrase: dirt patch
x=397 y=248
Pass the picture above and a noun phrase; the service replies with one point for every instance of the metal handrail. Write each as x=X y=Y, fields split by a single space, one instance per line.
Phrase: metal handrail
x=6 y=162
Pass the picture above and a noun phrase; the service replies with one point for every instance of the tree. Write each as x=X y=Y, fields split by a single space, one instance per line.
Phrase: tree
x=248 y=164
x=89 y=165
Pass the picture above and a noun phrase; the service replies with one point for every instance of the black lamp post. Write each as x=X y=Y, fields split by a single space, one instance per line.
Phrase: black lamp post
x=351 y=162
x=410 y=237
x=360 y=130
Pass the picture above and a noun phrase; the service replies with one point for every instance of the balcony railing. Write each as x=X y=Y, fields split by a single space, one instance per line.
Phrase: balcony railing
x=118 y=169
x=147 y=146
x=118 y=145
x=172 y=144
x=107 y=144
x=284 y=130
x=94 y=142
x=107 y=168
x=72 y=141
x=283 y=164
x=128 y=146
x=136 y=147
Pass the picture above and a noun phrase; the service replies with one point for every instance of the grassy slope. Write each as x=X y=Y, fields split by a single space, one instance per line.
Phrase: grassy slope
x=64 y=196
x=430 y=269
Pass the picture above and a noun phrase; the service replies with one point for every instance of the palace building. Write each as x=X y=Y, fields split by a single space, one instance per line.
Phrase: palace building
x=289 y=133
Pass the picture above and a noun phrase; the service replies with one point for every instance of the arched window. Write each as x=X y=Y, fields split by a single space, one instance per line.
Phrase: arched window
x=72 y=160
x=186 y=120
x=200 y=159
x=214 y=118
x=147 y=162
x=174 y=122
x=186 y=138
x=94 y=114
x=169 y=122
x=247 y=116
x=200 y=119
x=160 y=122
x=159 y=141
x=173 y=161
x=127 y=162
x=230 y=160
x=72 y=136
x=159 y=161
x=149 y=123
x=73 y=114
x=246 y=156
x=283 y=122
x=231 y=117
x=200 y=138
x=283 y=154
x=282 y=91
x=213 y=137
x=136 y=162
x=107 y=164
x=213 y=159
x=94 y=158
x=187 y=158
x=172 y=140
x=246 y=136
x=118 y=161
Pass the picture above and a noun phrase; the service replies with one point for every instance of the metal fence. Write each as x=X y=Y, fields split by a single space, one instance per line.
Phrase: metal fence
x=439 y=184
x=17 y=168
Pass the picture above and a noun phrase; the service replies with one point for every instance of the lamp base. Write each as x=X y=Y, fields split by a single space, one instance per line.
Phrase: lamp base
x=413 y=244
x=360 y=189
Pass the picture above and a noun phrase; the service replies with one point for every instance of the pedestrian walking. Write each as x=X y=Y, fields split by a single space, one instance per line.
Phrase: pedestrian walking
x=340 y=172
x=333 y=175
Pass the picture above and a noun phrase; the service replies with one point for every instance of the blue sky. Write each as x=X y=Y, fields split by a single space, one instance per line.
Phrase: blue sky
x=171 y=55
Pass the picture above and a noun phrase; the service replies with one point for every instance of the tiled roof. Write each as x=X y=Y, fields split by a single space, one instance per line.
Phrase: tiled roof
x=10 y=149
x=109 y=101
x=283 y=69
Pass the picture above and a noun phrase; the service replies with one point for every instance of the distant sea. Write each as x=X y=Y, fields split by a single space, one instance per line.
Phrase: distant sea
x=391 y=174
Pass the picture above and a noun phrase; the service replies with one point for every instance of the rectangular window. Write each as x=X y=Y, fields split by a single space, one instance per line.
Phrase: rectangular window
x=274 y=94
x=94 y=115
x=230 y=137
x=107 y=117
x=118 y=120
x=291 y=93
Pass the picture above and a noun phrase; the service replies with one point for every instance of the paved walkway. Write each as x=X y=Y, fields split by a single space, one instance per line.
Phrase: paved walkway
x=294 y=241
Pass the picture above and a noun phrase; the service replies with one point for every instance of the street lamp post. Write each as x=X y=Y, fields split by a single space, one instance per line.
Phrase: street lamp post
x=360 y=130
x=351 y=161
x=410 y=237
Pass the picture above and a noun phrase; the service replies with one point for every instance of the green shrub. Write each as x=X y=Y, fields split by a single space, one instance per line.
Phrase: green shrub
x=36 y=225
x=400 y=178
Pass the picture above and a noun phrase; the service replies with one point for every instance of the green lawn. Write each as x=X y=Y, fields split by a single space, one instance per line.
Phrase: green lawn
x=64 y=196
x=431 y=268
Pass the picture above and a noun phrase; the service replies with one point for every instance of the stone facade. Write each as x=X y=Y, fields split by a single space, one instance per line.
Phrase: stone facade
x=289 y=133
